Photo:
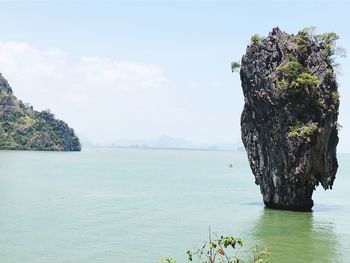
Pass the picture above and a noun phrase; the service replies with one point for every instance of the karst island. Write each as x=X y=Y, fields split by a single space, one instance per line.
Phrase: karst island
x=23 y=128
x=289 y=121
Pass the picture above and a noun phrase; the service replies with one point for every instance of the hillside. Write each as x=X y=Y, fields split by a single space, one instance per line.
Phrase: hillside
x=23 y=128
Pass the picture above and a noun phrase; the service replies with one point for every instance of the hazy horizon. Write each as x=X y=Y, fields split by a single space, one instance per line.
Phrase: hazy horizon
x=139 y=70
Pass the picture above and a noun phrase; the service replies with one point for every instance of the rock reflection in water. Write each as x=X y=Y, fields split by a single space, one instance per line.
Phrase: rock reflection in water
x=295 y=237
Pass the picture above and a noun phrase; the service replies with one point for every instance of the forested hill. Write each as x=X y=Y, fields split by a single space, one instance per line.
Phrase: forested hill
x=22 y=128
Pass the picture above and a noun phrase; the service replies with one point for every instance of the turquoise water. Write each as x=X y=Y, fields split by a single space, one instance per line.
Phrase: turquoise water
x=141 y=205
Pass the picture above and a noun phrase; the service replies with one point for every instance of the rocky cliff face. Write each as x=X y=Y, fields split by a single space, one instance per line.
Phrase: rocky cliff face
x=289 y=120
x=22 y=128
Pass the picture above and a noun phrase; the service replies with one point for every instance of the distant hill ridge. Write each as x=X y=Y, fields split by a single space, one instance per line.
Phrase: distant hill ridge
x=22 y=128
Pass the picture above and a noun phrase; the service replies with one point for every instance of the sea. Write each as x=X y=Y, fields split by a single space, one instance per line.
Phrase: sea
x=140 y=205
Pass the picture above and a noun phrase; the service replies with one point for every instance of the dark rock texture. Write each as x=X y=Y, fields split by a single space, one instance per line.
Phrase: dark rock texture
x=22 y=128
x=289 y=120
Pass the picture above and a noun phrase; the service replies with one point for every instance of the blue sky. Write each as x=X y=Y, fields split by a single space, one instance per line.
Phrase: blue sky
x=172 y=58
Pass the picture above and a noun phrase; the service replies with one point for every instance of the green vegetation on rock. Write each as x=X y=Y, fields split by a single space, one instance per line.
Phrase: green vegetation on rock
x=295 y=80
x=326 y=41
x=300 y=87
x=235 y=65
x=256 y=39
x=22 y=128
x=291 y=70
x=304 y=131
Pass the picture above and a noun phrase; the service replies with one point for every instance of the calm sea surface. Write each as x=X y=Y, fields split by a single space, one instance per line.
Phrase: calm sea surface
x=126 y=206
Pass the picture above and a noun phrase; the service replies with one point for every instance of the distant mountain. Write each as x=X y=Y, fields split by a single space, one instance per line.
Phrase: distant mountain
x=22 y=128
x=163 y=141
x=237 y=146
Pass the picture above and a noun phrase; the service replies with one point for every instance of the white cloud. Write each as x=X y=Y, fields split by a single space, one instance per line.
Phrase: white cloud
x=105 y=99
x=194 y=84
x=96 y=95
x=215 y=84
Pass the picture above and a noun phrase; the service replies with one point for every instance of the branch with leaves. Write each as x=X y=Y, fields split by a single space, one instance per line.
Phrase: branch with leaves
x=223 y=250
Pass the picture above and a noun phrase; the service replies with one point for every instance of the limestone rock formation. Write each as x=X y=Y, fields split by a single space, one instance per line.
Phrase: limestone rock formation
x=289 y=120
x=22 y=128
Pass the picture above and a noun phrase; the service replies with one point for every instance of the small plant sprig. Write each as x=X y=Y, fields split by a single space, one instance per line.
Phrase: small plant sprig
x=235 y=66
x=167 y=260
x=223 y=250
